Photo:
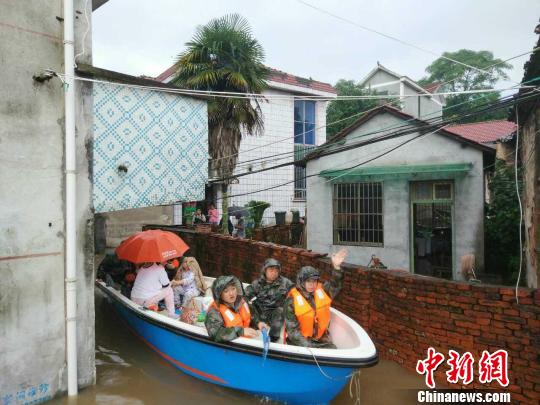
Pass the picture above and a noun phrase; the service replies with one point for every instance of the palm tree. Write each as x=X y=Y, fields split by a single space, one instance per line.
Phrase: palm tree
x=223 y=56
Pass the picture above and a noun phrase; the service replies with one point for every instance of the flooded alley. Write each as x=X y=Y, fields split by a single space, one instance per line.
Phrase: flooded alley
x=130 y=373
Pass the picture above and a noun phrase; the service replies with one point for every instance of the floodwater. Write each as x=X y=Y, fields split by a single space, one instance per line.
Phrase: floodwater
x=130 y=373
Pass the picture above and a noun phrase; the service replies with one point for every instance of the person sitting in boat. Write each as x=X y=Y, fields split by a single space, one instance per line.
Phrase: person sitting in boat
x=151 y=286
x=229 y=317
x=307 y=307
x=267 y=294
x=188 y=282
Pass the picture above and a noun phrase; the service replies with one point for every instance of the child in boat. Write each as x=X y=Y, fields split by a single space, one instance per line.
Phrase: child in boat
x=228 y=317
x=188 y=282
x=307 y=307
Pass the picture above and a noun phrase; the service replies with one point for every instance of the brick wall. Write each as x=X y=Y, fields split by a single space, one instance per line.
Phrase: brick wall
x=405 y=314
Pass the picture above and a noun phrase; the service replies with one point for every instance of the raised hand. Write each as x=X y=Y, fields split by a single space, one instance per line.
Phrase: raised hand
x=339 y=257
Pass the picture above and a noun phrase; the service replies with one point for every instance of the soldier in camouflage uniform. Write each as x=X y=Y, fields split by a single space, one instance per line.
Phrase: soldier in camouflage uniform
x=267 y=294
x=306 y=282
x=227 y=290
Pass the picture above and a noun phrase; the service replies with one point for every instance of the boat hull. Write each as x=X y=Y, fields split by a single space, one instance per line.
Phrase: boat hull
x=294 y=381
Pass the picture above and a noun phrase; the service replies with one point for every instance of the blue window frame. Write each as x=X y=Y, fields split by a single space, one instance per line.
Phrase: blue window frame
x=304 y=122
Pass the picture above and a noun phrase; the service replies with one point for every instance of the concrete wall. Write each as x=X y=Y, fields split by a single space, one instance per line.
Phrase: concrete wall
x=32 y=332
x=121 y=224
x=277 y=139
x=432 y=149
x=530 y=160
x=420 y=107
x=425 y=108
x=381 y=77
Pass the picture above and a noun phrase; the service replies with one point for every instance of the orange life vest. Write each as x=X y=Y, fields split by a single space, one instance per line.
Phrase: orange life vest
x=307 y=316
x=242 y=318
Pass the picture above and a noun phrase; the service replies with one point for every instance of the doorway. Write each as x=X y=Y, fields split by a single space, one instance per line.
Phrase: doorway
x=432 y=206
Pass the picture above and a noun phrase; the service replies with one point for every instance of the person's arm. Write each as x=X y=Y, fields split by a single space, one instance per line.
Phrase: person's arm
x=216 y=328
x=333 y=286
x=163 y=278
x=292 y=326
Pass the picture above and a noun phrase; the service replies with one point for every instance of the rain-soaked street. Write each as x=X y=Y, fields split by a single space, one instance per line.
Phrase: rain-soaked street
x=128 y=372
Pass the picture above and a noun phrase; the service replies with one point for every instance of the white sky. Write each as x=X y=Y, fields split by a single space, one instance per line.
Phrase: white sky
x=144 y=37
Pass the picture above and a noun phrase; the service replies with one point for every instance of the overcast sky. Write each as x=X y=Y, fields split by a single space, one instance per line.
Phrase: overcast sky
x=145 y=36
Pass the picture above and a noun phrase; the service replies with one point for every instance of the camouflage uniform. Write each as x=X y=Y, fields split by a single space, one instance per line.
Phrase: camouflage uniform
x=292 y=326
x=214 y=321
x=266 y=299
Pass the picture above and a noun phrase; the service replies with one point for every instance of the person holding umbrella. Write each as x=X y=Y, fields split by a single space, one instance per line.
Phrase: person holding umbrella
x=149 y=249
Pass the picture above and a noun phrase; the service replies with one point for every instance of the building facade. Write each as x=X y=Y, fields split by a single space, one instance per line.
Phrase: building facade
x=416 y=201
x=291 y=128
x=32 y=224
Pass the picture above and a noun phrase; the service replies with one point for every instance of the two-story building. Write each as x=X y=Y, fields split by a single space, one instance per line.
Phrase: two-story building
x=292 y=125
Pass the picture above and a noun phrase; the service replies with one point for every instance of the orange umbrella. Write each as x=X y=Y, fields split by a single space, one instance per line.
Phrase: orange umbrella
x=151 y=246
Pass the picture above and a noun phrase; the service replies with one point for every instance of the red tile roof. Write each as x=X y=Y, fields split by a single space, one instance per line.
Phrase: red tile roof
x=165 y=74
x=286 y=78
x=431 y=87
x=275 y=76
x=484 y=132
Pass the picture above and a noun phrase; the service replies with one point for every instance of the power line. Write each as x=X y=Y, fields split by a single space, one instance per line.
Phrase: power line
x=500 y=104
x=390 y=36
x=384 y=153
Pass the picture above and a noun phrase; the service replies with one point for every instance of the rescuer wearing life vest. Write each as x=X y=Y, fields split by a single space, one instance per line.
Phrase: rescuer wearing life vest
x=307 y=307
x=229 y=317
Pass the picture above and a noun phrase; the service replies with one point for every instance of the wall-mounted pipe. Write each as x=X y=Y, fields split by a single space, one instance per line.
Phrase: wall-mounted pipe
x=70 y=202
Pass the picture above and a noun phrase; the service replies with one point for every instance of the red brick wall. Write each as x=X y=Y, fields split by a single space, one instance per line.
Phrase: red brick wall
x=405 y=314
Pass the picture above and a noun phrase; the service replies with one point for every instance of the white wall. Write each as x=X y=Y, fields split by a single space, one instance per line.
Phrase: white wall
x=278 y=138
x=432 y=149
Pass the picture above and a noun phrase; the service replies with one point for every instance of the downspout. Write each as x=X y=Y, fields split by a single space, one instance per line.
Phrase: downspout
x=71 y=262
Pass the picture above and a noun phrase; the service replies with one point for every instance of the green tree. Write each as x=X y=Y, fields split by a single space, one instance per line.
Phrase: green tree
x=224 y=56
x=457 y=77
x=342 y=109
x=502 y=223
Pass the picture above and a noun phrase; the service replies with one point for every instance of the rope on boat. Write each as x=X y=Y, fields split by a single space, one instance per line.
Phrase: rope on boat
x=354 y=384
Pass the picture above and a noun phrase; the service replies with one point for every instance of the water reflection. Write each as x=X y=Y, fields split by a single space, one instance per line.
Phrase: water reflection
x=129 y=373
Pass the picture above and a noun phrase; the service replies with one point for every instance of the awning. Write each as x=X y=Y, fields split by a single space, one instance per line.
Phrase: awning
x=406 y=172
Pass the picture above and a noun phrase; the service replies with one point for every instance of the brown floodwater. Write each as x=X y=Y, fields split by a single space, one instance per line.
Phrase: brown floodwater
x=130 y=373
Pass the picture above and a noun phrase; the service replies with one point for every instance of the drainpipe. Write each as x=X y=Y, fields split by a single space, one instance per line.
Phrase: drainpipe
x=71 y=260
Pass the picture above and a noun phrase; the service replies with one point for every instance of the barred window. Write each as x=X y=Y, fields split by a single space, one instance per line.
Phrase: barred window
x=358 y=214
x=299 y=182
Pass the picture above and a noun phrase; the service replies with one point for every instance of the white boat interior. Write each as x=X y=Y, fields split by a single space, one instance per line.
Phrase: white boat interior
x=351 y=339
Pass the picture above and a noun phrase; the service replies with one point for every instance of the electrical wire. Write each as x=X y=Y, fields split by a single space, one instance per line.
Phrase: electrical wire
x=522 y=98
x=501 y=104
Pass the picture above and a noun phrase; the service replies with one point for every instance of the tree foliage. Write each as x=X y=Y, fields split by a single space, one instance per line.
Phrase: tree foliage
x=224 y=56
x=502 y=223
x=347 y=111
x=457 y=77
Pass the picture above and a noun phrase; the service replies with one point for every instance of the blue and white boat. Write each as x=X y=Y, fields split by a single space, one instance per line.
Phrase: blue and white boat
x=290 y=374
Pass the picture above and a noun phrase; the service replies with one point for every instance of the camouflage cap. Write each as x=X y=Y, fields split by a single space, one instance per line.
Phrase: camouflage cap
x=271 y=262
x=305 y=274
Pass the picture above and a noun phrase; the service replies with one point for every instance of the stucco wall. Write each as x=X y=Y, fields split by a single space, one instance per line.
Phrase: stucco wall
x=431 y=149
x=32 y=352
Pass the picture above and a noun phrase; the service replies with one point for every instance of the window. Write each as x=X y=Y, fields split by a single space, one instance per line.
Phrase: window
x=299 y=182
x=304 y=122
x=358 y=214
x=304 y=134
